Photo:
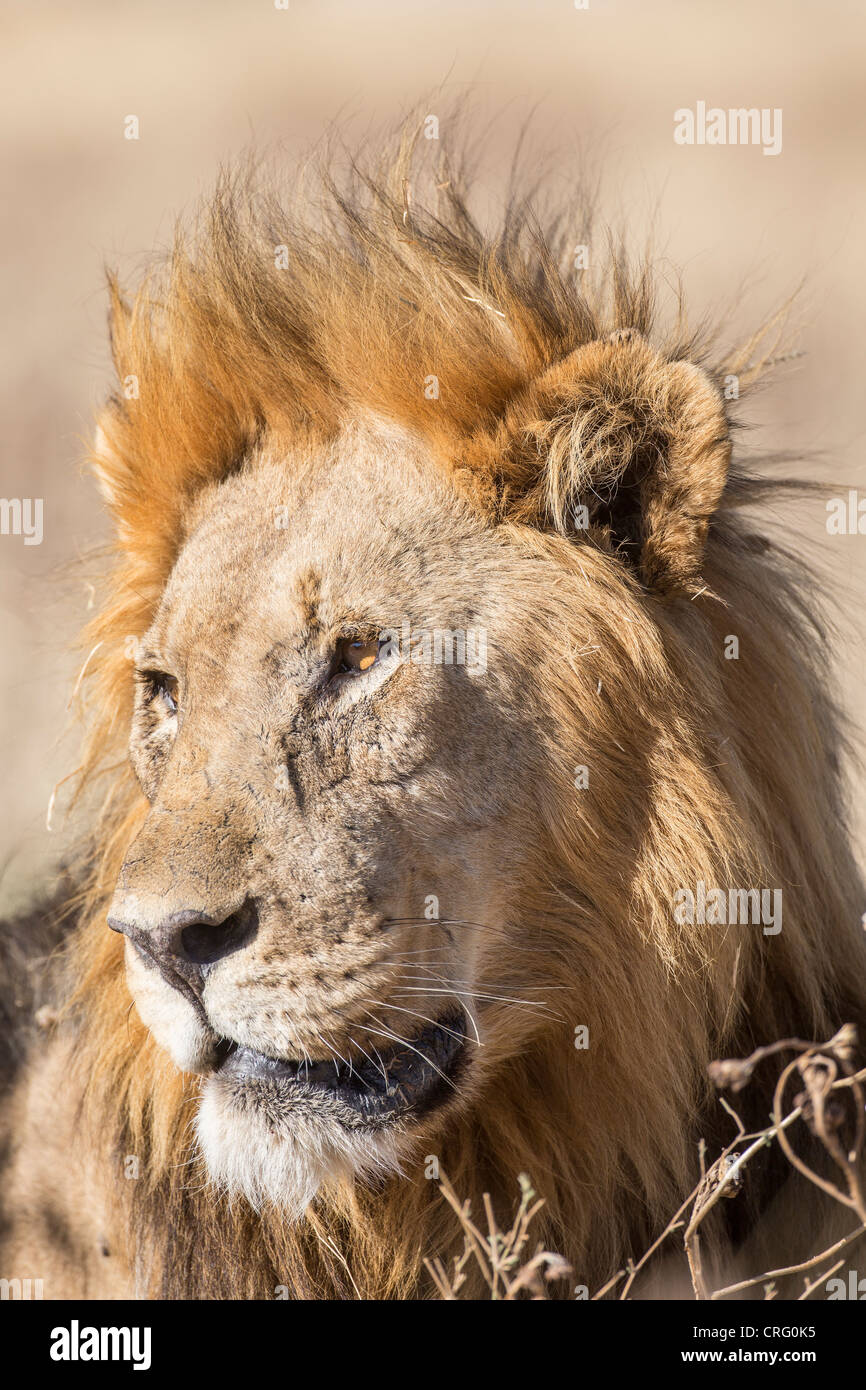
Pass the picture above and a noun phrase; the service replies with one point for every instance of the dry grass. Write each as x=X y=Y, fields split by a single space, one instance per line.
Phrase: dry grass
x=501 y=1256
x=831 y=1103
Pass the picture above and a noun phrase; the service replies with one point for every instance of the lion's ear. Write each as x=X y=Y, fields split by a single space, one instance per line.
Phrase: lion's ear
x=617 y=441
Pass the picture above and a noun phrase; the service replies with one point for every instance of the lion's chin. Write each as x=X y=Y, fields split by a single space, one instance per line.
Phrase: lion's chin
x=282 y=1158
x=277 y=1131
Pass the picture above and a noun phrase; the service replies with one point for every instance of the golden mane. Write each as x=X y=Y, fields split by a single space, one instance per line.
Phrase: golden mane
x=294 y=321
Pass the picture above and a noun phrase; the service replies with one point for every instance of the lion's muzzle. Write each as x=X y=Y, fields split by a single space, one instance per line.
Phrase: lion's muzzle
x=407 y=1078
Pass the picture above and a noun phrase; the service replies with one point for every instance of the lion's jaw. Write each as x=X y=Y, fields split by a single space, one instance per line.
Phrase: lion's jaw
x=286 y=1161
x=329 y=863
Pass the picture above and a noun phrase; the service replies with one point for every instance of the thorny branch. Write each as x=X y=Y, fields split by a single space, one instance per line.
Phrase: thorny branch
x=832 y=1098
x=831 y=1103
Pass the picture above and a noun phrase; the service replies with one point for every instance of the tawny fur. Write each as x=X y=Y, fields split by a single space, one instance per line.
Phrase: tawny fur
x=552 y=394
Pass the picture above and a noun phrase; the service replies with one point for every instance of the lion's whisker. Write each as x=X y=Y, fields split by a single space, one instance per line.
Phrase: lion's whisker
x=383 y=1004
x=488 y=927
x=489 y=986
x=404 y=1042
x=334 y=1053
x=433 y=975
x=478 y=994
x=369 y=1058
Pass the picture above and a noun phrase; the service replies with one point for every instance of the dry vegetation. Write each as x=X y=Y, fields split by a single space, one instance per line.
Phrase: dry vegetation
x=830 y=1101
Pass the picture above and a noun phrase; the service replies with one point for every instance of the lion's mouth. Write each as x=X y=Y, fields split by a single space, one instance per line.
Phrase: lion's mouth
x=408 y=1078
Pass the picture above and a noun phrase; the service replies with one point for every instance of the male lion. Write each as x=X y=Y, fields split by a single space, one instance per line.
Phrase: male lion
x=429 y=558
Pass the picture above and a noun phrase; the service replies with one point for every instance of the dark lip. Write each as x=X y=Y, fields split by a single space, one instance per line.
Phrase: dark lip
x=406 y=1079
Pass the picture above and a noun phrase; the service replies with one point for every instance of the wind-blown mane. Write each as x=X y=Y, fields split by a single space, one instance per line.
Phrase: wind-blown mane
x=295 y=322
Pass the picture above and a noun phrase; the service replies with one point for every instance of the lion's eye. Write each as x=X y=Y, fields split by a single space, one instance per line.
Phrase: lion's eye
x=159 y=686
x=355 y=654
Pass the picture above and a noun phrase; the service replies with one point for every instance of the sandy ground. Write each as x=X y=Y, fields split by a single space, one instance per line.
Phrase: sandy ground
x=206 y=80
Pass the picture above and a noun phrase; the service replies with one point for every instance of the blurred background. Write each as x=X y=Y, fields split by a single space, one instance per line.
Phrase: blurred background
x=207 y=80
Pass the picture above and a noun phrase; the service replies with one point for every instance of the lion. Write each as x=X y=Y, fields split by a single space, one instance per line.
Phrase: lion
x=413 y=729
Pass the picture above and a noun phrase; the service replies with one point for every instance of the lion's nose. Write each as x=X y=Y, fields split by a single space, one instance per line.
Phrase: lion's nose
x=189 y=942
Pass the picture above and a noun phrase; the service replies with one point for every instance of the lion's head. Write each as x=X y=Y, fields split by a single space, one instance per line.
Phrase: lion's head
x=331 y=730
x=427 y=565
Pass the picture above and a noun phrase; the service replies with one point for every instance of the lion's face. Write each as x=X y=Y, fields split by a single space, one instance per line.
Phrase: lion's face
x=317 y=902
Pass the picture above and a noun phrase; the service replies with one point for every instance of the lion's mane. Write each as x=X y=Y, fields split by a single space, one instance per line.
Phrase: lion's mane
x=274 y=316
